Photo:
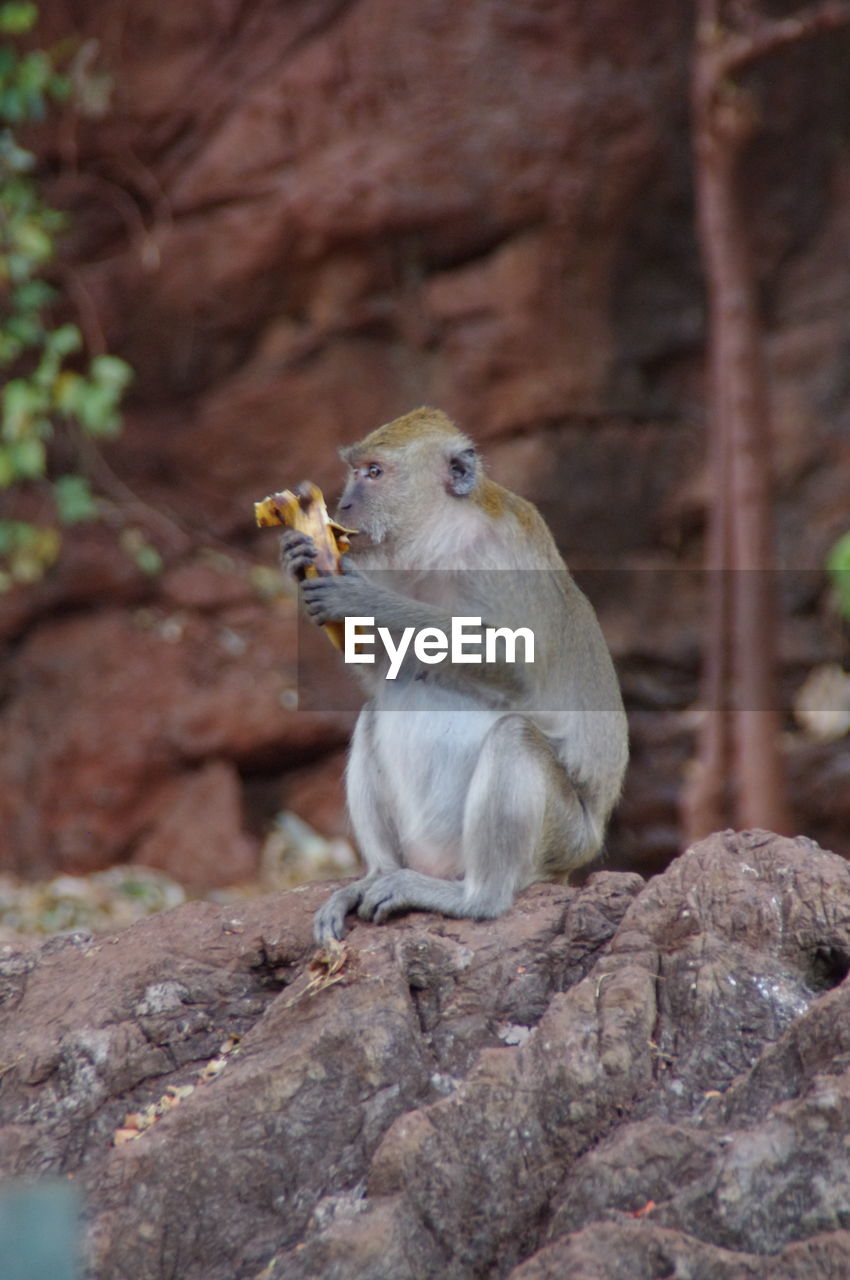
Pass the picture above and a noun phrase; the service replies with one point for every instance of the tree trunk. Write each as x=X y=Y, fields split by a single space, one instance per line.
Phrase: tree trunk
x=741 y=734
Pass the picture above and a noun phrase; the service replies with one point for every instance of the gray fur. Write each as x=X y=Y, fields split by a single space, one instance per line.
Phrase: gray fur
x=466 y=783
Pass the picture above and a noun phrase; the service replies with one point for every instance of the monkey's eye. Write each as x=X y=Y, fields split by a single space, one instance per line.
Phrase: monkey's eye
x=373 y=471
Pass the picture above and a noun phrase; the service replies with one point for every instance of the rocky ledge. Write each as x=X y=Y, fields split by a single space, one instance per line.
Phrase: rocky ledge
x=628 y=1079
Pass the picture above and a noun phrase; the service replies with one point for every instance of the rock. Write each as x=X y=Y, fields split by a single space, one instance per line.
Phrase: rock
x=93 y=570
x=122 y=733
x=642 y=1251
x=360 y=208
x=317 y=794
x=197 y=834
x=616 y=1081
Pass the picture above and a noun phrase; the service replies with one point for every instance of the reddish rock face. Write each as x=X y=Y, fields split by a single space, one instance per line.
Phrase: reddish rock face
x=358 y=209
x=125 y=733
x=299 y=220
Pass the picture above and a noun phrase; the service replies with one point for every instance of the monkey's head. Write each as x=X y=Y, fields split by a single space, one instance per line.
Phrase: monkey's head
x=404 y=473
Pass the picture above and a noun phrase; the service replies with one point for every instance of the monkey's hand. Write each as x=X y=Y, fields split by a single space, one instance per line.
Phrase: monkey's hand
x=297 y=552
x=345 y=595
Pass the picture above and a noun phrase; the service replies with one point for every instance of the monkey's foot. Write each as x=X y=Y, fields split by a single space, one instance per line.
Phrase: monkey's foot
x=329 y=920
x=405 y=890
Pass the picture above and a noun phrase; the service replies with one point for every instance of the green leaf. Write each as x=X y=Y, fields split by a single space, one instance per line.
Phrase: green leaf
x=27 y=550
x=149 y=560
x=16 y=19
x=12 y=155
x=7 y=536
x=64 y=340
x=35 y=554
x=93 y=407
x=838 y=568
x=7 y=474
x=67 y=392
x=41 y=392
x=10 y=349
x=33 y=295
x=143 y=552
x=74 y=499
x=96 y=409
x=838 y=560
x=19 y=266
x=112 y=372
x=29 y=458
x=60 y=87
x=25 y=330
x=21 y=401
x=33 y=242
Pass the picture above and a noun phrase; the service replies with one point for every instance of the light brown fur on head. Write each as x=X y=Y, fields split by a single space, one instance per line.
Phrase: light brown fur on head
x=432 y=503
x=426 y=425
x=420 y=426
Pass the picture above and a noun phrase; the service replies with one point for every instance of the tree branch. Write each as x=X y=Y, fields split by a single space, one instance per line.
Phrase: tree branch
x=734 y=51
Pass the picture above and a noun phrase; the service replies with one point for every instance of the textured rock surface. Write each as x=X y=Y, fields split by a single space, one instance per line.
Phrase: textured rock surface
x=653 y=1075
x=125 y=732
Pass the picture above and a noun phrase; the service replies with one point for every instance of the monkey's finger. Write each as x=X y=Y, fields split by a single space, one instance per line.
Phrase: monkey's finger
x=320 y=617
x=385 y=910
x=329 y=921
x=296 y=554
x=296 y=564
x=294 y=542
x=384 y=897
x=291 y=537
x=316 y=611
x=320 y=598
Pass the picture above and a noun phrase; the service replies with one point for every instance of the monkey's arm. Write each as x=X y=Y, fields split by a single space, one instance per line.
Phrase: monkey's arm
x=355 y=594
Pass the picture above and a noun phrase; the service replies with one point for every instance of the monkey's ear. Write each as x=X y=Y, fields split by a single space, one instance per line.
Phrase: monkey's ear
x=463 y=472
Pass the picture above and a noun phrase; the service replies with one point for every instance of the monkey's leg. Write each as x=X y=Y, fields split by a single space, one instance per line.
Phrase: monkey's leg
x=520 y=807
x=524 y=820
x=373 y=830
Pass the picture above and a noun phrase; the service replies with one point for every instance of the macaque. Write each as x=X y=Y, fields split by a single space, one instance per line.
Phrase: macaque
x=467 y=780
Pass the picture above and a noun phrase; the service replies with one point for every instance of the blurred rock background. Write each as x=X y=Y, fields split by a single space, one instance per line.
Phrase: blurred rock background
x=299 y=220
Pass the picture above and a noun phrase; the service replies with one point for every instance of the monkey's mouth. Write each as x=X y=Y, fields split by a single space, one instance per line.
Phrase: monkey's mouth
x=361 y=539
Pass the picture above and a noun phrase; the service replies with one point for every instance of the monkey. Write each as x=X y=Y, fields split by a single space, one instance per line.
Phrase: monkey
x=466 y=781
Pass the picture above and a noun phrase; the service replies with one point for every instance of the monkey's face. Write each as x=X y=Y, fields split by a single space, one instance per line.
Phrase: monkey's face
x=406 y=476
x=373 y=498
